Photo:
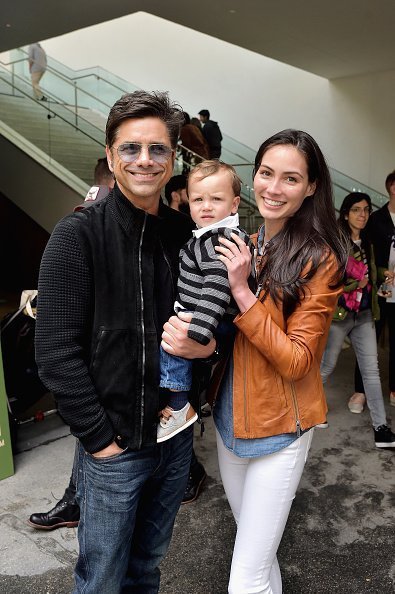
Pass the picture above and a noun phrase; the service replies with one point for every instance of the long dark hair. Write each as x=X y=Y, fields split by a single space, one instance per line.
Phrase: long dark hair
x=309 y=236
x=342 y=221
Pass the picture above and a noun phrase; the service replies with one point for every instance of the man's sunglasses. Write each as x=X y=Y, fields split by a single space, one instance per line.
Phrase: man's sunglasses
x=129 y=152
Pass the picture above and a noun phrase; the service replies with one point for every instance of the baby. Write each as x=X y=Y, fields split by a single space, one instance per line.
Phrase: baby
x=203 y=286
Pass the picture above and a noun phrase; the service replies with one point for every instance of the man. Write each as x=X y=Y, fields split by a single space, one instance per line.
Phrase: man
x=211 y=133
x=176 y=193
x=103 y=182
x=381 y=232
x=66 y=512
x=37 y=68
x=107 y=285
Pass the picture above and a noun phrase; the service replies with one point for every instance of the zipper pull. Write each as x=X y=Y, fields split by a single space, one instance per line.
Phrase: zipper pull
x=298 y=428
x=259 y=289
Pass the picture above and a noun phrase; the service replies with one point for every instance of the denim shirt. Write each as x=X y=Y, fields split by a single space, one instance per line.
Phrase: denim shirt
x=223 y=418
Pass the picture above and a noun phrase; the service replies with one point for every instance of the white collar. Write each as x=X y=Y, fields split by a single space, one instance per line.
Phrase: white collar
x=231 y=222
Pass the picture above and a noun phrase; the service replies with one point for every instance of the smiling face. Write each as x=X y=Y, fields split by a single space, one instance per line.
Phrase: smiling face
x=142 y=180
x=211 y=199
x=281 y=184
x=357 y=217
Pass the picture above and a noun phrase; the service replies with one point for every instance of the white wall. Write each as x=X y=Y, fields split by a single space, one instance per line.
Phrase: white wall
x=251 y=96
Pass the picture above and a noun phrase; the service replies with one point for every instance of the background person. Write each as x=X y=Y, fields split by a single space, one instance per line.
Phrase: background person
x=176 y=193
x=37 y=67
x=271 y=394
x=192 y=138
x=211 y=133
x=354 y=316
x=381 y=232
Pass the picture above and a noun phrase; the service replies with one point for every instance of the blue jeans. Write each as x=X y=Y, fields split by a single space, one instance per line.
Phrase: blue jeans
x=359 y=327
x=128 y=505
x=175 y=372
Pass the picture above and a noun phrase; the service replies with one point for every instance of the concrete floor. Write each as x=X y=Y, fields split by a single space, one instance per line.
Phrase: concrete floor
x=339 y=537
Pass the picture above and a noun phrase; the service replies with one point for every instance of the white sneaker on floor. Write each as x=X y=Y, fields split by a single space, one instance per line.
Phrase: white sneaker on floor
x=175 y=421
x=357 y=402
x=322 y=425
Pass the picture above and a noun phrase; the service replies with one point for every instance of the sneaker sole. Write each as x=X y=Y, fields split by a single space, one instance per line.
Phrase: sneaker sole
x=60 y=525
x=187 y=424
x=355 y=411
x=381 y=444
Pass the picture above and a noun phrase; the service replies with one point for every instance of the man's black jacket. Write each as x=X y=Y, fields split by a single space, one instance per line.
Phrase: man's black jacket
x=107 y=283
x=380 y=229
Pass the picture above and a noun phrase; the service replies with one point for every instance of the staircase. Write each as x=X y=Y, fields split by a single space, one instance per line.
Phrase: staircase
x=52 y=128
x=69 y=127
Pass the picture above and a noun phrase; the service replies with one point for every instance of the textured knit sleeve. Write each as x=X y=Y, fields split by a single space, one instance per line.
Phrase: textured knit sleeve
x=215 y=294
x=63 y=333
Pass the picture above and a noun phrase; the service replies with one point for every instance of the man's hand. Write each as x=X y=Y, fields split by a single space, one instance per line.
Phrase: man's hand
x=176 y=342
x=112 y=450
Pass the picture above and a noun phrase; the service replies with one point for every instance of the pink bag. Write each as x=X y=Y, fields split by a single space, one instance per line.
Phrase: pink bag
x=356 y=270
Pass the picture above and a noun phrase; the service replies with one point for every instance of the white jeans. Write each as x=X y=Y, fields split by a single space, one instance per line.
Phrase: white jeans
x=260 y=492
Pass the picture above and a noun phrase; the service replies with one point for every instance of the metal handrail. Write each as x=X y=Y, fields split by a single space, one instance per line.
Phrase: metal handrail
x=51 y=112
x=77 y=77
x=61 y=76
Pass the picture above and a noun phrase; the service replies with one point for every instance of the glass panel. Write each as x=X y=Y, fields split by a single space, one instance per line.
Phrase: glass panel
x=83 y=98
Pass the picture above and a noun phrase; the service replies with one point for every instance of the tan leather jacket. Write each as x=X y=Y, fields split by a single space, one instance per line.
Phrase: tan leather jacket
x=277 y=385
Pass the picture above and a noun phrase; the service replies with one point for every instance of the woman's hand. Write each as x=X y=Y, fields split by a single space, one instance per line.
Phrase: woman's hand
x=389 y=276
x=237 y=258
x=175 y=339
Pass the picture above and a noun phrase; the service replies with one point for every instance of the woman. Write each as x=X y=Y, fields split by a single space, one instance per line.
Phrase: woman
x=355 y=314
x=192 y=139
x=271 y=394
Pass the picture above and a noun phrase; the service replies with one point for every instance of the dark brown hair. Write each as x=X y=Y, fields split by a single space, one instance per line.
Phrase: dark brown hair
x=389 y=180
x=142 y=104
x=309 y=236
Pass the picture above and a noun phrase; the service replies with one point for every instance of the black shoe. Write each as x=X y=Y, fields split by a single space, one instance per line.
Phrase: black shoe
x=65 y=513
x=383 y=437
x=43 y=98
x=197 y=476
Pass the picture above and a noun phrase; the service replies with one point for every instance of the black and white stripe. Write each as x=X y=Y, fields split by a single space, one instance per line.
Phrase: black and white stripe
x=203 y=285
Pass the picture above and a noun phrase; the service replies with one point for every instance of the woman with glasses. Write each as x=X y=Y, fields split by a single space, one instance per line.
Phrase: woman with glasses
x=354 y=316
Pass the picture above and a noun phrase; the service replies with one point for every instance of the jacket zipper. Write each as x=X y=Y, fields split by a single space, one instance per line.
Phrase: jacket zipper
x=246 y=424
x=170 y=270
x=296 y=409
x=142 y=333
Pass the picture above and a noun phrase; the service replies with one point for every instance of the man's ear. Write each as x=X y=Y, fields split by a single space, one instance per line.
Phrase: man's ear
x=175 y=197
x=109 y=159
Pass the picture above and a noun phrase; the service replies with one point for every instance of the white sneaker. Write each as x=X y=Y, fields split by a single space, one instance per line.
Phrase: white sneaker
x=357 y=402
x=175 y=421
x=322 y=425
